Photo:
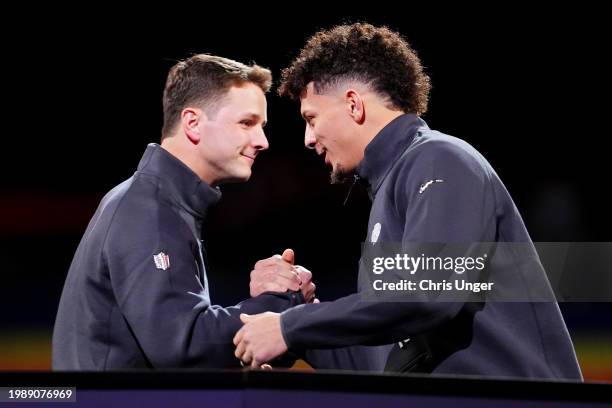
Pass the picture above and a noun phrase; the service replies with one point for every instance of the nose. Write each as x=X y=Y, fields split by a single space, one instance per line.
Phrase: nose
x=260 y=141
x=310 y=141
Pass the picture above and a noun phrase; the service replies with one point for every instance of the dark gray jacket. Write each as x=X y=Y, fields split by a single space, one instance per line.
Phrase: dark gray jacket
x=136 y=294
x=518 y=339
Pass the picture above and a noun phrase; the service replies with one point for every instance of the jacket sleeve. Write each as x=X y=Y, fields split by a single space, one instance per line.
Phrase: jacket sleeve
x=169 y=311
x=459 y=209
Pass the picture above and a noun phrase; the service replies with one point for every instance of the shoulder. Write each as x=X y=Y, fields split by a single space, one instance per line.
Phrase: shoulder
x=433 y=160
x=436 y=148
x=435 y=154
x=143 y=215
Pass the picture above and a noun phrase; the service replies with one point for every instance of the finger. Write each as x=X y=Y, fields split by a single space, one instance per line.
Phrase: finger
x=244 y=318
x=282 y=274
x=254 y=287
x=255 y=363
x=238 y=337
x=266 y=367
x=304 y=274
x=247 y=357
x=308 y=292
x=287 y=279
x=281 y=268
x=293 y=274
x=316 y=301
x=279 y=275
x=289 y=256
x=240 y=349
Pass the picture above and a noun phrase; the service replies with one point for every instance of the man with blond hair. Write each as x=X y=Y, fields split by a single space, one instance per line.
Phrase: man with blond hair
x=136 y=294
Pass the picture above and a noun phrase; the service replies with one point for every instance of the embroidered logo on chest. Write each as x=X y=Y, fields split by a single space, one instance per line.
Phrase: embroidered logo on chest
x=162 y=261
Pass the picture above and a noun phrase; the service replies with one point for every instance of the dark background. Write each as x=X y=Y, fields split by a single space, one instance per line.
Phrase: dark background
x=83 y=99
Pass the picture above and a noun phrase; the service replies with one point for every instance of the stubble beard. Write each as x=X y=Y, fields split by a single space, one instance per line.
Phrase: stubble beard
x=340 y=175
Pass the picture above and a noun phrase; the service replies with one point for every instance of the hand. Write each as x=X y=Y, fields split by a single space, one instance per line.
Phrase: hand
x=263 y=367
x=260 y=339
x=307 y=287
x=275 y=274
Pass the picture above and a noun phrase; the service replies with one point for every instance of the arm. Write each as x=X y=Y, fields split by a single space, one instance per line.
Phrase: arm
x=169 y=311
x=459 y=209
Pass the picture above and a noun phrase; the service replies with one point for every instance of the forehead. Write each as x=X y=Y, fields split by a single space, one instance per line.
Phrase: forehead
x=247 y=93
x=310 y=100
x=243 y=98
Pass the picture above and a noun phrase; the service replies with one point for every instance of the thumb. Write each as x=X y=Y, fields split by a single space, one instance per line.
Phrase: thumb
x=289 y=256
x=245 y=317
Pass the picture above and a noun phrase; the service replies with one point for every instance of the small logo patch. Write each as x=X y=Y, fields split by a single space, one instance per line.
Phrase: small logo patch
x=425 y=185
x=162 y=261
x=375 y=233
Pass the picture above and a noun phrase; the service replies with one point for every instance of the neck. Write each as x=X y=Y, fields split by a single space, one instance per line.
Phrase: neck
x=176 y=146
x=378 y=119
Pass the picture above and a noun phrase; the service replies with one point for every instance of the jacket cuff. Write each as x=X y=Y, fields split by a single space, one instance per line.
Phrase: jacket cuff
x=287 y=323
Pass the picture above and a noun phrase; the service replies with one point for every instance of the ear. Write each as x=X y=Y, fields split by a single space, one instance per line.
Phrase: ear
x=355 y=106
x=191 y=118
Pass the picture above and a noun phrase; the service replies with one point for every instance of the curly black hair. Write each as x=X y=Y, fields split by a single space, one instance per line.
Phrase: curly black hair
x=376 y=56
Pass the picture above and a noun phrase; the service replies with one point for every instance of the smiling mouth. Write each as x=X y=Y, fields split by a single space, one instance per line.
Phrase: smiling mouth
x=252 y=159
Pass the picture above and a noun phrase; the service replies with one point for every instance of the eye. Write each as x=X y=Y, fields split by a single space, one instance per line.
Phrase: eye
x=246 y=122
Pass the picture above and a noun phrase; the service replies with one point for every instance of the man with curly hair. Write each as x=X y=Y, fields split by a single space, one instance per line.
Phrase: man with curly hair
x=362 y=90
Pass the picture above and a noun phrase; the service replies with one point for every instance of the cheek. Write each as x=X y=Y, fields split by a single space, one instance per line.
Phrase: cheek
x=334 y=133
x=238 y=136
x=229 y=138
x=324 y=132
x=335 y=126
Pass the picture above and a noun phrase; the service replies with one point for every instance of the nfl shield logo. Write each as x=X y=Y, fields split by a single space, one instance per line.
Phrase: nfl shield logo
x=161 y=261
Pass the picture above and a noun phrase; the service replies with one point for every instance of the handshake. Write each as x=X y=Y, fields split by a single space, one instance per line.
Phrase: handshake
x=279 y=274
x=260 y=339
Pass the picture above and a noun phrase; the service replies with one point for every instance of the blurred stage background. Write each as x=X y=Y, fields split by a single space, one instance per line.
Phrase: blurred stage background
x=85 y=97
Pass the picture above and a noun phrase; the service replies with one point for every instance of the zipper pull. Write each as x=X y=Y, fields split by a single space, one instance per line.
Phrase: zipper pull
x=355 y=179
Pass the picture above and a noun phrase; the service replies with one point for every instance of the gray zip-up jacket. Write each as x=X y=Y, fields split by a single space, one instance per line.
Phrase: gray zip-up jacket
x=517 y=339
x=136 y=294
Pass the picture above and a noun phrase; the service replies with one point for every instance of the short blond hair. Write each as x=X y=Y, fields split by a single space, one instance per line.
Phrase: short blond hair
x=204 y=79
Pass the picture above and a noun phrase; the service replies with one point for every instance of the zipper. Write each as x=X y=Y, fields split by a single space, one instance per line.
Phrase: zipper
x=355 y=179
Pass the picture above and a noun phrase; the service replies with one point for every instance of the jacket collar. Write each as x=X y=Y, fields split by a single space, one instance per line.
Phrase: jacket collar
x=180 y=182
x=386 y=148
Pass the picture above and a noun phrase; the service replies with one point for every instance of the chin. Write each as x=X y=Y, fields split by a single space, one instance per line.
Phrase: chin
x=246 y=174
x=240 y=177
